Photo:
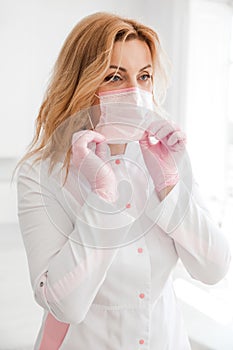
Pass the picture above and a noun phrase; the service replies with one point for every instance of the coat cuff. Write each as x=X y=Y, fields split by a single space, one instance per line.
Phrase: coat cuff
x=170 y=212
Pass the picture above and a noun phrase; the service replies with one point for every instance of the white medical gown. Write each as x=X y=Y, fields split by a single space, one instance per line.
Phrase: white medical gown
x=103 y=272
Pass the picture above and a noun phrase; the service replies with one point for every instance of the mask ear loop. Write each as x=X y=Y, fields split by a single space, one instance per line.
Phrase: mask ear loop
x=89 y=117
x=153 y=92
x=92 y=126
x=153 y=89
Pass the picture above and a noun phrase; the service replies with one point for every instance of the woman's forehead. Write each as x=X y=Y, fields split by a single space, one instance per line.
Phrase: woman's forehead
x=131 y=54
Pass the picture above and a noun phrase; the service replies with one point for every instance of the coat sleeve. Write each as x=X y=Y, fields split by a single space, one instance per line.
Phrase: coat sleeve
x=66 y=273
x=200 y=243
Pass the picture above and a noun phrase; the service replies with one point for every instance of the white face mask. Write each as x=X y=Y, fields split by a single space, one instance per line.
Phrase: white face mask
x=124 y=114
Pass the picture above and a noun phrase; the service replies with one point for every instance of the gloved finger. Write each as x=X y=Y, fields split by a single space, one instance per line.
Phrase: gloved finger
x=77 y=135
x=86 y=136
x=155 y=126
x=161 y=128
x=101 y=150
x=176 y=139
x=80 y=142
x=165 y=131
x=144 y=141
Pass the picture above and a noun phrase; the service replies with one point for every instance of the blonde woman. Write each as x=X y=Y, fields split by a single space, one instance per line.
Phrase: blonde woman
x=107 y=203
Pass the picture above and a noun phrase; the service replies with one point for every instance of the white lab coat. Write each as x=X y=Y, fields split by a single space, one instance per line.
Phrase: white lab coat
x=104 y=270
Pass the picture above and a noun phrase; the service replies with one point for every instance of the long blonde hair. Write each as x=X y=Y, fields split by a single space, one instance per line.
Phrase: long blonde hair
x=78 y=72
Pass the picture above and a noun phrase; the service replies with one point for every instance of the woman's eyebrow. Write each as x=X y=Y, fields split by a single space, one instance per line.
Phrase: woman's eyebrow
x=125 y=70
x=120 y=68
x=148 y=66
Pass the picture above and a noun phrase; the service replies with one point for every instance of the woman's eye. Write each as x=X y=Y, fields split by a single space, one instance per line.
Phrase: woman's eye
x=145 y=77
x=113 y=78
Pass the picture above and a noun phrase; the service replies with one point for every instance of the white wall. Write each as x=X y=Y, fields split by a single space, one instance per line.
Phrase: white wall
x=171 y=19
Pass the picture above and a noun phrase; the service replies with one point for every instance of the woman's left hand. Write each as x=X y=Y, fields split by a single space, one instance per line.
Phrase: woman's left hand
x=162 y=158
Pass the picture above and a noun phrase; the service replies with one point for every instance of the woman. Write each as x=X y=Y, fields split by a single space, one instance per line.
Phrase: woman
x=107 y=202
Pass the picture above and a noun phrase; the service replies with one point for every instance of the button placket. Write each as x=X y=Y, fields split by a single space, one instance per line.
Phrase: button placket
x=123 y=174
x=118 y=161
x=142 y=294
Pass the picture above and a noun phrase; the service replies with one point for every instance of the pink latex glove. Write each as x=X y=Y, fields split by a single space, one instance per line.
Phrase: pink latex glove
x=92 y=165
x=162 y=158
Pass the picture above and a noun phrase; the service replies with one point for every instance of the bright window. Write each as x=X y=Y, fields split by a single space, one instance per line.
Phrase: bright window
x=207 y=93
x=209 y=127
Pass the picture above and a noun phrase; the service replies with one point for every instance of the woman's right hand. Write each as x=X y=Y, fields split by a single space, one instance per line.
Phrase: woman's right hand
x=94 y=165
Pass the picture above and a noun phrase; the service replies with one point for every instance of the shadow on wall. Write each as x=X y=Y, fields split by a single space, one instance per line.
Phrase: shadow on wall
x=8 y=191
x=196 y=346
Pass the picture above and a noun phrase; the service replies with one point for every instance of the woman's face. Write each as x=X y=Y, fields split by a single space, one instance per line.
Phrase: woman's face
x=130 y=66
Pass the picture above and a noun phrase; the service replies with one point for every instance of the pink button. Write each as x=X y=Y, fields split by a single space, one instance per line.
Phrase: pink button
x=128 y=205
x=141 y=295
x=141 y=341
x=140 y=250
x=117 y=161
